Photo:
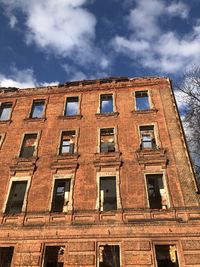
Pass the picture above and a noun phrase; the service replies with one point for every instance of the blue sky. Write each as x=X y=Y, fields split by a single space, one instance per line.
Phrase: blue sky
x=52 y=41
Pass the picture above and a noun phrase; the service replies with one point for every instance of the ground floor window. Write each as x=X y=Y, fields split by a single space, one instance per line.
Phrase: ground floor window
x=6 y=254
x=109 y=256
x=166 y=256
x=54 y=256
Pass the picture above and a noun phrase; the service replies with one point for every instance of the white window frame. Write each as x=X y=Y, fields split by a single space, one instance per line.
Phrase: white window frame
x=36 y=144
x=99 y=244
x=156 y=133
x=151 y=106
x=115 y=132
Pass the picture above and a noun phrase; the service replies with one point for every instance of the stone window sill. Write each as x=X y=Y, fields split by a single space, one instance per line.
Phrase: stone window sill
x=104 y=115
x=5 y=122
x=145 y=111
x=35 y=119
x=73 y=117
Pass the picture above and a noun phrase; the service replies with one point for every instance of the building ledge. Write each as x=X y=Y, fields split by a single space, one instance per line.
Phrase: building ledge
x=109 y=159
x=73 y=117
x=35 y=119
x=144 y=111
x=106 y=115
x=66 y=161
x=151 y=157
x=23 y=164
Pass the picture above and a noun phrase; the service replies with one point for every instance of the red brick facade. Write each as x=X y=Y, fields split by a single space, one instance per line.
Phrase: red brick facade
x=144 y=145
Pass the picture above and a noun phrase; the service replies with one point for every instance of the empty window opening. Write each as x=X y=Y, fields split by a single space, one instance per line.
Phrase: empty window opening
x=156 y=192
x=142 y=100
x=6 y=254
x=37 y=109
x=54 y=256
x=16 y=197
x=106 y=103
x=166 y=256
x=71 y=106
x=107 y=141
x=5 y=111
x=147 y=137
x=108 y=198
x=28 y=146
x=61 y=195
x=67 y=142
x=109 y=256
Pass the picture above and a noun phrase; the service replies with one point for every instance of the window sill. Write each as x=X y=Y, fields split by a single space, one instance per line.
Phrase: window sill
x=104 y=115
x=145 y=111
x=23 y=164
x=73 y=117
x=66 y=156
x=67 y=161
x=5 y=122
x=35 y=119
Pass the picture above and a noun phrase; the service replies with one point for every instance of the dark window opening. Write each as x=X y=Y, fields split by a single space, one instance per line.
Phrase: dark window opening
x=71 y=106
x=107 y=141
x=142 y=100
x=16 y=197
x=6 y=254
x=54 y=256
x=156 y=191
x=28 y=146
x=61 y=195
x=109 y=256
x=106 y=104
x=166 y=256
x=108 y=198
x=67 y=142
x=37 y=109
x=147 y=137
x=5 y=111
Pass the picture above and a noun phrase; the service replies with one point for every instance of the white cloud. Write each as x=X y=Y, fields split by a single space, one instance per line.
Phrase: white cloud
x=153 y=47
x=22 y=79
x=64 y=27
x=13 y=21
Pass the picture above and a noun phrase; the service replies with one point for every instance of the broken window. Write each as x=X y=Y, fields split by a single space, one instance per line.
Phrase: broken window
x=107 y=141
x=67 y=142
x=147 y=137
x=71 y=106
x=142 y=100
x=5 y=111
x=109 y=256
x=106 y=103
x=54 y=256
x=108 y=198
x=6 y=254
x=28 y=146
x=16 y=197
x=61 y=195
x=156 y=191
x=166 y=256
x=37 y=109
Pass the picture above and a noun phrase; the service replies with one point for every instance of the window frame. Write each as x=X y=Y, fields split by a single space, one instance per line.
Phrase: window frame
x=69 y=176
x=75 y=142
x=104 y=243
x=114 y=104
x=17 y=179
x=156 y=136
x=165 y=184
x=115 y=132
x=118 y=195
x=11 y=110
x=32 y=109
x=36 y=146
x=78 y=108
x=149 y=93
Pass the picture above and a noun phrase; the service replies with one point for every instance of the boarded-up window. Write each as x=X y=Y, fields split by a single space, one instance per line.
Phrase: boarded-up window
x=166 y=256
x=67 y=142
x=147 y=137
x=54 y=256
x=156 y=192
x=28 y=146
x=16 y=197
x=109 y=256
x=107 y=141
x=61 y=195
x=108 y=198
x=6 y=254
x=106 y=103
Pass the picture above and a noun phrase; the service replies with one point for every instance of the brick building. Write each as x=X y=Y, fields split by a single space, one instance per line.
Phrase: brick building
x=96 y=173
